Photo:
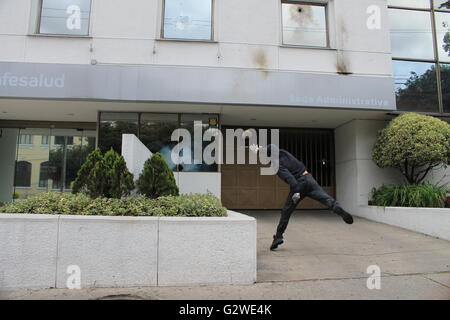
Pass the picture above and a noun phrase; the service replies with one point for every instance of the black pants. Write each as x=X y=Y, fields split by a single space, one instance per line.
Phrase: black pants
x=308 y=188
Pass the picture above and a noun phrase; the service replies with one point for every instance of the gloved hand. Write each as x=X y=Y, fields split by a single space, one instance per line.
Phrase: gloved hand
x=296 y=197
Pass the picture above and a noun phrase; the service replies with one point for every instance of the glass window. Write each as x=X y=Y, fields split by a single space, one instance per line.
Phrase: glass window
x=416 y=86
x=112 y=126
x=419 y=4
x=69 y=17
x=411 y=35
x=26 y=139
x=187 y=19
x=156 y=133
x=441 y=5
x=55 y=165
x=304 y=24
x=188 y=122
x=44 y=174
x=23 y=174
x=443 y=35
x=44 y=140
x=445 y=83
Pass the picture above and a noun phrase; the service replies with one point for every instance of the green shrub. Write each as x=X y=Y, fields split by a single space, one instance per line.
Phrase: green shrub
x=157 y=178
x=80 y=204
x=104 y=176
x=414 y=144
x=421 y=195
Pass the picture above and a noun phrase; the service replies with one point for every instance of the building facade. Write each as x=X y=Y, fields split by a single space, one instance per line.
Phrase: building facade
x=76 y=74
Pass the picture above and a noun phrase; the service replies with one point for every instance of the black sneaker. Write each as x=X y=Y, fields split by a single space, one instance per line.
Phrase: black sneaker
x=347 y=217
x=276 y=242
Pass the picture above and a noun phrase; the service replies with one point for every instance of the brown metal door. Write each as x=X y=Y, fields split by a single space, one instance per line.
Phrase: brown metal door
x=244 y=188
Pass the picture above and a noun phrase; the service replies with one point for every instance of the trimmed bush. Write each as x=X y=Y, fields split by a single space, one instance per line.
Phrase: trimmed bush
x=414 y=144
x=157 y=178
x=104 y=176
x=421 y=195
x=193 y=205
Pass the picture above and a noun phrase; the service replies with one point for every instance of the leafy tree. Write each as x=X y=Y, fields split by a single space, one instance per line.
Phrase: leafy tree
x=414 y=144
x=104 y=176
x=157 y=178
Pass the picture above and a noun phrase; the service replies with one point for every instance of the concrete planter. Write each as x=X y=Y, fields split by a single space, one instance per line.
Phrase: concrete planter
x=431 y=221
x=37 y=250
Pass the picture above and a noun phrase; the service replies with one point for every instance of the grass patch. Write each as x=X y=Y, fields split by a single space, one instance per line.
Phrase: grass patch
x=414 y=195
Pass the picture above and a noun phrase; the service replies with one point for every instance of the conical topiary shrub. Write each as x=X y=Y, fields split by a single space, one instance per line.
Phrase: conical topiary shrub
x=104 y=176
x=91 y=176
x=157 y=178
x=119 y=181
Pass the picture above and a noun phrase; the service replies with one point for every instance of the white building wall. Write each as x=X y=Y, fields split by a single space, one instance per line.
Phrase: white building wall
x=247 y=34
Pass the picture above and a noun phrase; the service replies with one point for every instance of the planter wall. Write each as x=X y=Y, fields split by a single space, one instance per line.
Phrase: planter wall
x=431 y=221
x=36 y=250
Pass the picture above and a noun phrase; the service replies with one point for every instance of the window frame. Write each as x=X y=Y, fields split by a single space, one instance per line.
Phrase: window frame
x=163 y=17
x=436 y=60
x=37 y=30
x=318 y=3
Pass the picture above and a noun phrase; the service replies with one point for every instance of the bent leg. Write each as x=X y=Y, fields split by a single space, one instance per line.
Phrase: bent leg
x=317 y=193
x=286 y=212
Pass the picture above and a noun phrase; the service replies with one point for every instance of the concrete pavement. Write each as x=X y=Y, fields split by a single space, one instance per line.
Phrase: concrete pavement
x=322 y=258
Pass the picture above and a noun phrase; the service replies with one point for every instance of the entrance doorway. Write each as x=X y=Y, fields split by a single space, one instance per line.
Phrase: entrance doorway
x=244 y=188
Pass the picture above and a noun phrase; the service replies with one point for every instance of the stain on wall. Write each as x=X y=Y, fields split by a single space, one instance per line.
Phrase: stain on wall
x=260 y=61
x=342 y=61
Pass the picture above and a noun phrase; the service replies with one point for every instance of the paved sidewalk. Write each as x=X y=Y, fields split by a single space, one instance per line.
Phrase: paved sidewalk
x=323 y=258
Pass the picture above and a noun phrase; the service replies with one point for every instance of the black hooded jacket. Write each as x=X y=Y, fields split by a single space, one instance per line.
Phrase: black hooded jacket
x=289 y=167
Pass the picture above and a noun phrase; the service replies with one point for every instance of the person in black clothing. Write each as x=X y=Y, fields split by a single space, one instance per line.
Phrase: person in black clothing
x=302 y=184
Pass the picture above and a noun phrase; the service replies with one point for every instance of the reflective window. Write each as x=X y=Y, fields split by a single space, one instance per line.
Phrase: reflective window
x=112 y=126
x=418 y=4
x=411 y=35
x=23 y=174
x=304 y=25
x=44 y=140
x=69 y=17
x=416 y=86
x=25 y=139
x=188 y=121
x=156 y=133
x=188 y=19
x=445 y=84
x=53 y=163
x=44 y=174
x=443 y=35
x=441 y=5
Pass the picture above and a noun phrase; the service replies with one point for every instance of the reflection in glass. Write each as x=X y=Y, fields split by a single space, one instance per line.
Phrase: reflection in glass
x=415 y=86
x=69 y=17
x=441 y=5
x=411 y=35
x=420 y=4
x=51 y=161
x=443 y=35
x=188 y=19
x=112 y=126
x=188 y=122
x=23 y=174
x=304 y=25
x=156 y=132
x=445 y=83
